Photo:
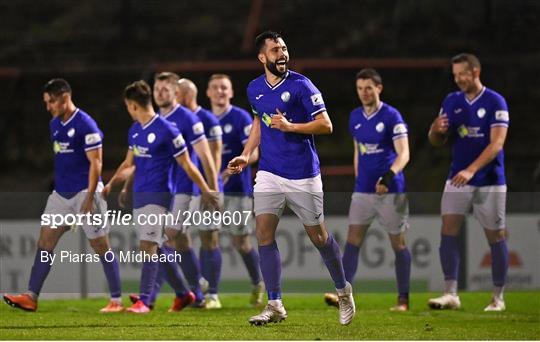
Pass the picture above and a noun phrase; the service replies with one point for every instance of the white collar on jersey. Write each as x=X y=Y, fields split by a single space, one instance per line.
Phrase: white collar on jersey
x=198 y=109
x=169 y=113
x=476 y=97
x=225 y=113
x=150 y=122
x=374 y=113
x=71 y=118
x=278 y=84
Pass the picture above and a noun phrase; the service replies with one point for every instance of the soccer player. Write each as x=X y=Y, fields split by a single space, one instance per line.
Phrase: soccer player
x=238 y=189
x=77 y=146
x=154 y=144
x=288 y=110
x=381 y=151
x=210 y=252
x=476 y=119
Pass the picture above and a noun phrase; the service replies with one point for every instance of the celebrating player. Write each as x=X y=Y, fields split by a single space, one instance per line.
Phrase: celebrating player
x=77 y=146
x=154 y=143
x=381 y=151
x=238 y=189
x=476 y=119
x=288 y=110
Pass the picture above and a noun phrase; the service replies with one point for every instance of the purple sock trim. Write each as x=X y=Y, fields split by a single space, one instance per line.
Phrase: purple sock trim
x=148 y=278
x=251 y=260
x=449 y=255
x=270 y=262
x=40 y=270
x=211 y=268
x=332 y=260
x=403 y=272
x=350 y=261
x=499 y=263
x=112 y=273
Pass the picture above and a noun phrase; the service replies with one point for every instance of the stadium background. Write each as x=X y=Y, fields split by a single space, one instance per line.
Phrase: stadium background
x=100 y=47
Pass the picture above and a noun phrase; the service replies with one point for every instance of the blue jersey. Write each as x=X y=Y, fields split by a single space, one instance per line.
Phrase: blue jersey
x=236 y=124
x=374 y=137
x=470 y=124
x=71 y=140
x=154 y=147
x=213 y=132
x=289 y=155
x=192 y=130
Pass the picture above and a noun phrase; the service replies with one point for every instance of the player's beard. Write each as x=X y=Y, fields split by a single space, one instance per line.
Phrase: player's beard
x=272 y=67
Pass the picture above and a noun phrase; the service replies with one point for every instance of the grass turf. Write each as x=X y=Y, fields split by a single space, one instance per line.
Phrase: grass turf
x=309 y=319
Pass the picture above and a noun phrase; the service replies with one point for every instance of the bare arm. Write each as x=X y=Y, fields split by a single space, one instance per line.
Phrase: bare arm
x=238 y=163
x=320 y=125
x=193 y=173
x=401 y=145
x=216 y=146
x=497 y=139
x=438 y=132
x=355 y=159
x=203 y=152
x=94 y=172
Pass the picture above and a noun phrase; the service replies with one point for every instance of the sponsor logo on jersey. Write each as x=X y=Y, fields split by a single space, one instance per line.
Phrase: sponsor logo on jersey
x=469 y=132
x=141 y=152
x=502 y=115
x=259 y=96
x=400 y=129
x=317 y=100
x=179 y=141
x=369 y=148
x=198 y=128
x=266 y=119
x=92 y=138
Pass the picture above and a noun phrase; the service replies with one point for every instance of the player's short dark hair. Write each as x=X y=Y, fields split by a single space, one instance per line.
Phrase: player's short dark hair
x=170 y=77
x=468 y=58
x=219 y=76
x=260 y=40
x=369 y=74
x=140 y=92
x=57 y=87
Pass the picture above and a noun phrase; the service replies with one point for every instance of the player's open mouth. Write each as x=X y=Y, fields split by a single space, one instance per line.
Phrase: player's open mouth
x=282 y=62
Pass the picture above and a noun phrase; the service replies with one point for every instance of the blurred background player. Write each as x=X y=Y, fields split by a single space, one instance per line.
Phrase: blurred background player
x=210 y=252
x=77 y=146
x=381 y=151
x=289 y=110
x=154 y=144
x=238 y=189
x=476 y=119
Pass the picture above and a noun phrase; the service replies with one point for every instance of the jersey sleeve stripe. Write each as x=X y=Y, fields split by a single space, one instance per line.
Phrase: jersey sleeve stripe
x=193 y=142
x=94 y=147
x=318 y=111
x=499 y=124
x=214 y=138
x=399 y=136
x=180 y=152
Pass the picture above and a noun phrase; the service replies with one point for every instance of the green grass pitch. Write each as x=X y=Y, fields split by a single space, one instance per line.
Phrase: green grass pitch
x=309 y=319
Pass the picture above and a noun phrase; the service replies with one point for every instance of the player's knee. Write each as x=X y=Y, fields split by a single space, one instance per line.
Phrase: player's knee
x=100 y=245
x=494 y=236
x=242 y=245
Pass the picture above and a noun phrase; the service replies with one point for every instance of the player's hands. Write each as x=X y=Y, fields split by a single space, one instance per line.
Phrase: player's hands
x=380 y=188
x=462 y=178
x=225 y=175
x=106 y=191
x=210 y=200
x=237 y=164
x=440 y=124
x=88 y=205
x=280 y=122
x=123 y=198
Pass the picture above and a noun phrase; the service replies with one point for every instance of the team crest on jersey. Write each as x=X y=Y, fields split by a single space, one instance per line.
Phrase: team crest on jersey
x=227 y=128
x=151 y=138
x=71 y=132
x=380 y=127
x=285 y=96
x=481 y=112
